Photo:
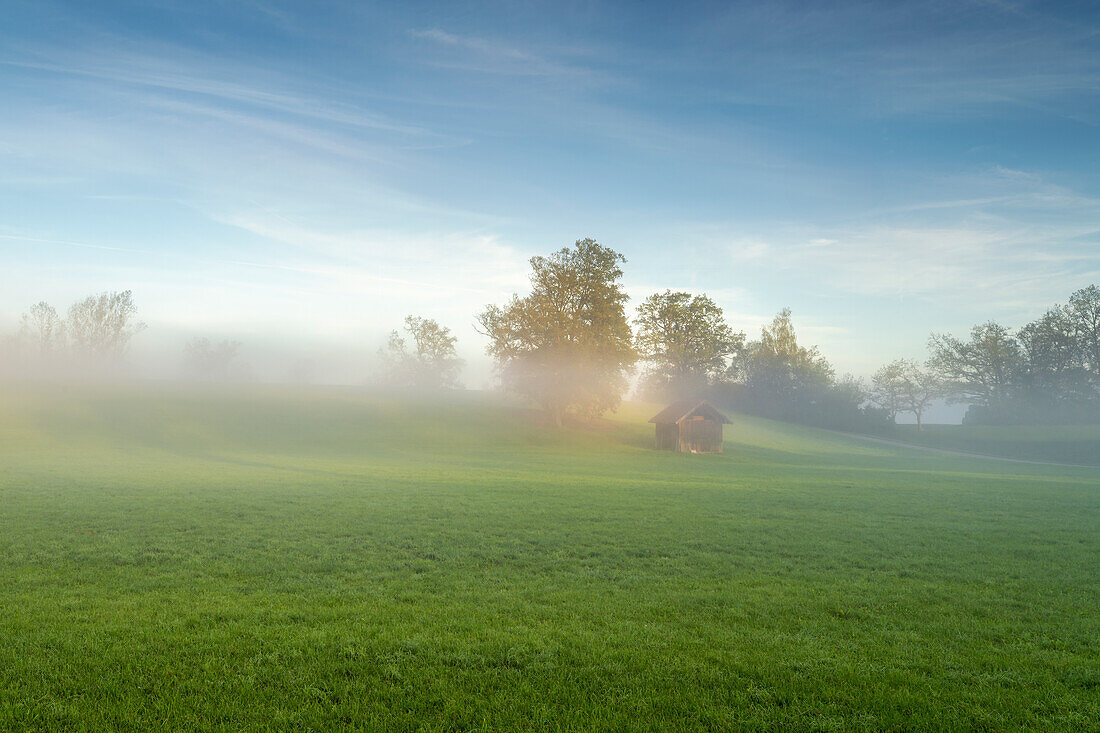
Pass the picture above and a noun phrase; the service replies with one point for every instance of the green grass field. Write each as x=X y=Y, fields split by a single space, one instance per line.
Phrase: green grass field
x=1078 y=444
x=316 y=559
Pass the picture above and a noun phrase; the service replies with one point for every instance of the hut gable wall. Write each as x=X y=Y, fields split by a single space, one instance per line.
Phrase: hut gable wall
x=689 y=428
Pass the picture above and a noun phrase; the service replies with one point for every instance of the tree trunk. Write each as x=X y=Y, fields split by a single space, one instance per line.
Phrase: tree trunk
x=919 y=426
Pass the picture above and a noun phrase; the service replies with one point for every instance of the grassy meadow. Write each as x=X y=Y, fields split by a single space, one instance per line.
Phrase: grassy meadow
x=272 y=558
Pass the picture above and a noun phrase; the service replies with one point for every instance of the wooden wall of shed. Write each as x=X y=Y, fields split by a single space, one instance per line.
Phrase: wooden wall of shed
x=667 y=436
x=700 y=436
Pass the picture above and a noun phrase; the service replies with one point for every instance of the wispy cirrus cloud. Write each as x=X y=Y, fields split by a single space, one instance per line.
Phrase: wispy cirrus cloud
x=491 y=56
x=181 y=71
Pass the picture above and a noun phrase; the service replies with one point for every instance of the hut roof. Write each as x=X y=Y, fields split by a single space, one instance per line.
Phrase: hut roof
x=684 y=409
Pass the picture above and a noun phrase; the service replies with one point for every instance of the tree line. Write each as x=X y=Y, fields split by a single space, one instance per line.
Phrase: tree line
x=95 y=333
x=570 y=346
x=1047 y=371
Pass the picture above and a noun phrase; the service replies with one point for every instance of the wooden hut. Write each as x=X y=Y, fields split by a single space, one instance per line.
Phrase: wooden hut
x=690 y=427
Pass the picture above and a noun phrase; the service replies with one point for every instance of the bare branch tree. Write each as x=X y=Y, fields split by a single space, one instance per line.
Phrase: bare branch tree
x=101 y=326
x=43 y=327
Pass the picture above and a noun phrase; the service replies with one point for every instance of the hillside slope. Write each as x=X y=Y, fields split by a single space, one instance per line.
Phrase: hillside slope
x=1078 y=444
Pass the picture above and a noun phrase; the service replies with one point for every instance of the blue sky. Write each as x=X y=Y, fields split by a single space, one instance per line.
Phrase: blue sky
x=305 y=174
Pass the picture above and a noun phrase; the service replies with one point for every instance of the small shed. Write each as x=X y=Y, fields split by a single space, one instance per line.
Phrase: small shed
x=690 y=427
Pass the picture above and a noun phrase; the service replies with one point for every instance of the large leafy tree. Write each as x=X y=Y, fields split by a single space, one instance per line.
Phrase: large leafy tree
x=984 y=370
x=567 y=345
x=1083 y=312
x=778 y=367
x=1054 y=356
x=778 y=377
x=430 y=364
x=686 y=342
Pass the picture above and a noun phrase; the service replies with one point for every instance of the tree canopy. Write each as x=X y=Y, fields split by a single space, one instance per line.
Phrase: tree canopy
x=431 y=364
x=685 y=341
x=1047 y=371
x=777 y=377
x=1084 y=314
x=567 y=345
x=983 y=370
x=777 y=365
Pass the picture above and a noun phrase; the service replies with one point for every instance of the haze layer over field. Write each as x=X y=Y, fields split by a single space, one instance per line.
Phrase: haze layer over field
x=319 y=558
